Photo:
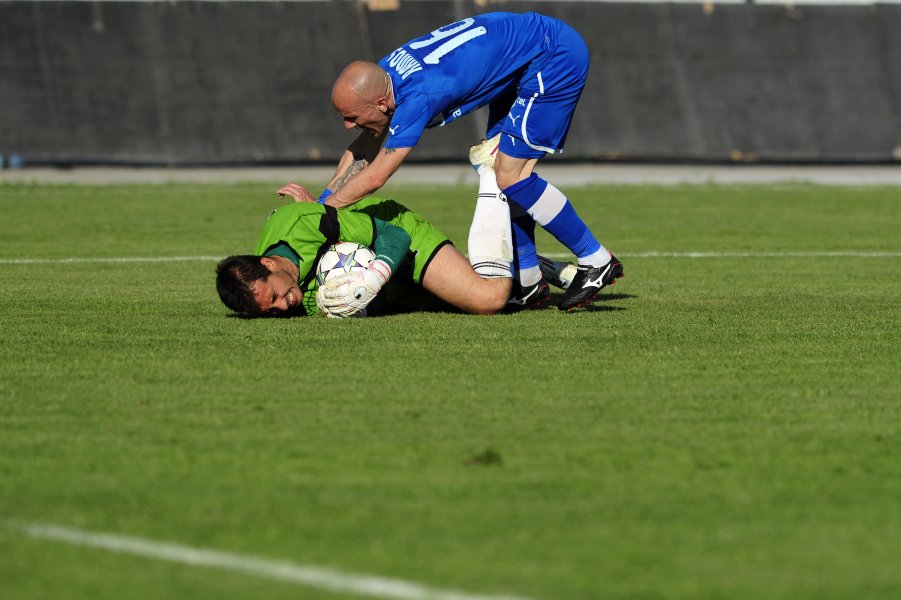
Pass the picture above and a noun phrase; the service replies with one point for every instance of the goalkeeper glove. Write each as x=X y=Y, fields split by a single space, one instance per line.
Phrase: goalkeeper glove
x=348 y=295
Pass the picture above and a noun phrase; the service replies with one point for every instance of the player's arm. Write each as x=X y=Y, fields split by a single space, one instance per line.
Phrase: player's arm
x=360 y=153
x=391 y=244
x=369 y=178
x=363 y=171
x=350 y=294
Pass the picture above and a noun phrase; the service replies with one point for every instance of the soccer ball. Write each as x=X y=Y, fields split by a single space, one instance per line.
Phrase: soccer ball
x=343 y=257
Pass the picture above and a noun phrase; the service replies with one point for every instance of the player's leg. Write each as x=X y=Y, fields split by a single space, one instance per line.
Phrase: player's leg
x=548 y=206
x=529 y=289
x=450 y=277
x=523 y=225
x=554 y=212
x=445 y=272
x=538 y=123
x=490 y=238
x=496 y=226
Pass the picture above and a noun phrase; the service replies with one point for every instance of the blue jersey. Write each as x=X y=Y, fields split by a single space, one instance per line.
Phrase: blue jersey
x=454 y=70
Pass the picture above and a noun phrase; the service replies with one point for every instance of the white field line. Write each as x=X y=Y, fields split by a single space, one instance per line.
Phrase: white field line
x=800 y=254
x=117 y=259
x=563 y=255
x=278 y=570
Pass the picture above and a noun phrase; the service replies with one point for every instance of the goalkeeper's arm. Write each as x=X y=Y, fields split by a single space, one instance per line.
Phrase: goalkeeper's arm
x=391 y=245
x=350 y=294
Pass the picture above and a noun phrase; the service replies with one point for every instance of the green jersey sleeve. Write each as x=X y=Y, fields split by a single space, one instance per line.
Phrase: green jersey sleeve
x=391 y=243
x=303 y=231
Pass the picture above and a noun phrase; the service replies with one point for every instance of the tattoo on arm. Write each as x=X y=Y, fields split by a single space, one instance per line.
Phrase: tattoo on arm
x=352 y=170
x=390 y=150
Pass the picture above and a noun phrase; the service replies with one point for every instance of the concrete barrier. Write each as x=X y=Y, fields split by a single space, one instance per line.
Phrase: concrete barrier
x=190 y=83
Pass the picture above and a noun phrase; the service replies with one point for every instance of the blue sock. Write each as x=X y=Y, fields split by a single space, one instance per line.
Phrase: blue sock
x=525 y=255
x=555 y=213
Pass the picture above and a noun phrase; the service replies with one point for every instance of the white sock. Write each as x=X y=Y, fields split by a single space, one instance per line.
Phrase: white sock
x=530 y=276
x=596 y=259
x=490 y=237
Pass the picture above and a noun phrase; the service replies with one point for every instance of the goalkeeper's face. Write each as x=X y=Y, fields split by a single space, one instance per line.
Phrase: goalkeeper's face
x=279 y=292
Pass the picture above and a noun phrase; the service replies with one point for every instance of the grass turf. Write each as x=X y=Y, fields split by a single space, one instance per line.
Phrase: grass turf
x=718 y=427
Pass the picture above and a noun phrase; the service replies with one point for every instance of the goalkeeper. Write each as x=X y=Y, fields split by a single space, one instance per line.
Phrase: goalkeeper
x=411 y=255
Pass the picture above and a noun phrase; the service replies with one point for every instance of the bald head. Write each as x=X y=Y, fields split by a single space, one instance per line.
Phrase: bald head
x=359 y=83
x=363 y=97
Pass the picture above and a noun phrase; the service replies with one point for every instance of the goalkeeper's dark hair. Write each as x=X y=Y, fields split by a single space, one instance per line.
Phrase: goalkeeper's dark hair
x=234 y=277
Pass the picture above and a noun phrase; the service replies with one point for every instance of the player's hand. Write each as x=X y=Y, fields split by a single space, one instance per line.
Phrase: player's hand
x=348 y=295
x=297 y=192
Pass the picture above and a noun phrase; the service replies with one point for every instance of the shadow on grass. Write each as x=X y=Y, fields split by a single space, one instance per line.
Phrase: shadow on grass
x=597 y=308
x=280 y=315
x=598 y=304
x=609 y=297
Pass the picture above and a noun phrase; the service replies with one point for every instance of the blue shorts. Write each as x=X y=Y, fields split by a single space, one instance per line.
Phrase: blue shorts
x=536 y=115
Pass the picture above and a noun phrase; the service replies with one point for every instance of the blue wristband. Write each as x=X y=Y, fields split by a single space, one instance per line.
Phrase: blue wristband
x=325 y=194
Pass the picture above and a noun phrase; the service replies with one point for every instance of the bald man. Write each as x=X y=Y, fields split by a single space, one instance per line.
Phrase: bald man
x=529 y=70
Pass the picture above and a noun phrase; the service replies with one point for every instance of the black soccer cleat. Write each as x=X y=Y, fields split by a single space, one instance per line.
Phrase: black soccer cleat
x=589 y=281
x=532 y=296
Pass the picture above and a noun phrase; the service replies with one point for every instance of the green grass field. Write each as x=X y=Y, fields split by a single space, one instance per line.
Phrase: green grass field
x=715 y=427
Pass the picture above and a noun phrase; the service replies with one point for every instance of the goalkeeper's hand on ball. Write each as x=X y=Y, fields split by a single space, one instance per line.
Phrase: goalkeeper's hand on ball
x=348 y=295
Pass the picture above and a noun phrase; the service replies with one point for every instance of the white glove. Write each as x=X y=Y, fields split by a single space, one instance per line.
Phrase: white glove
x=348 y=295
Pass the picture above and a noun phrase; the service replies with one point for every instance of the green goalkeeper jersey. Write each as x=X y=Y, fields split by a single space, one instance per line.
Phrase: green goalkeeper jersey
x=303 y=231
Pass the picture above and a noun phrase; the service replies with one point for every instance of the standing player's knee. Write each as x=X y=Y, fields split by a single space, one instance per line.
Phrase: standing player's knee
x=510 y=177
x=509 y=170
x=505 y=179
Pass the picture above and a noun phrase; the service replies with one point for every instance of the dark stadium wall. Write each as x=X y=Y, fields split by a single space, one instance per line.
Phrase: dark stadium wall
x=186 y=83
